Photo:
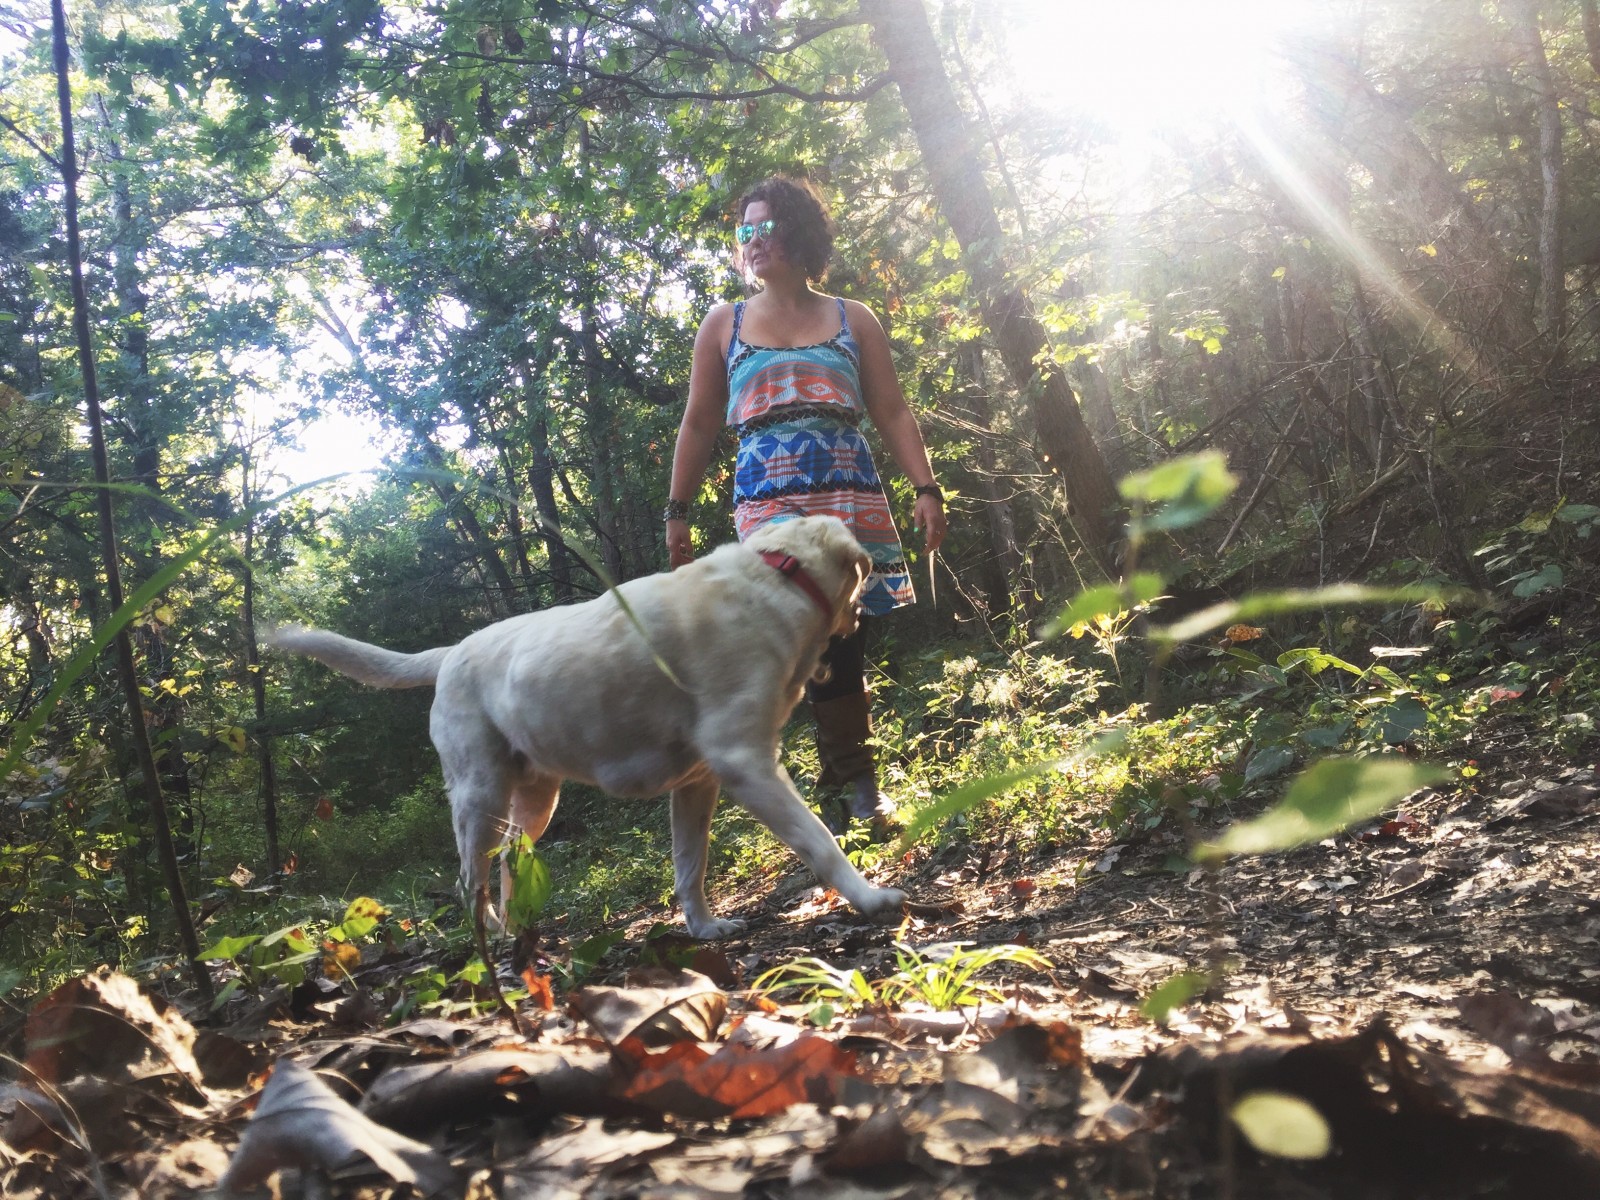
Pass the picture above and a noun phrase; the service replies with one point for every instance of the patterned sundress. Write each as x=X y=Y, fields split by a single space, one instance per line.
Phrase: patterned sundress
x=796 y=412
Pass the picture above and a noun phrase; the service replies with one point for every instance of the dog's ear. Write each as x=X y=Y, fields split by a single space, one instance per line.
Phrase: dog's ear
x=855 y=567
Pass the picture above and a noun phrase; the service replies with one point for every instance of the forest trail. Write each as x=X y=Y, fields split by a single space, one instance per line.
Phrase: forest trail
x=1427 y=982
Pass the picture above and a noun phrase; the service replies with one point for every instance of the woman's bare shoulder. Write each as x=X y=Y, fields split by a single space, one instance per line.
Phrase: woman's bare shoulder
x=717 y=323
x=862 y=319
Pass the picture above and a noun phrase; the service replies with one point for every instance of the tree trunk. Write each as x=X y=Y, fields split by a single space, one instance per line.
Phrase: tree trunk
x=1002 y=567
x=139 y=407
x=258 y=680
x=1477 y=292
x=1552 y=269
x=950 y=152
x=1591 y=33
x=128 y=674
x=542 y=482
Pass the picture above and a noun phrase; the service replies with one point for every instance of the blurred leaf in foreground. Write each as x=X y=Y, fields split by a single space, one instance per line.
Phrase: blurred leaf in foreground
x=1324 y=799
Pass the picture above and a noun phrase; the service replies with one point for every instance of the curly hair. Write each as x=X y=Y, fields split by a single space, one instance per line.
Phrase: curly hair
x=804 y=229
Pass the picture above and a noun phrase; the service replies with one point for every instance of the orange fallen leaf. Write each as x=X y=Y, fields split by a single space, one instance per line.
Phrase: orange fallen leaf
x=737 y=1081
x=1243 y=633
x=339 y=959
x=539 y=989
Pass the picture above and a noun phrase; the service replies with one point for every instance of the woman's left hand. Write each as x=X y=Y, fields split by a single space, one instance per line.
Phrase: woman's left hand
x=928 y=517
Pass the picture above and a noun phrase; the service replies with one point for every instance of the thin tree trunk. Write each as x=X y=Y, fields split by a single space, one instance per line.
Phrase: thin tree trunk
x=108 y=530
x=258 y=681
x=1552 y=269
x=1002 y=568
x=600 y=421
x=950 y=151
x=1591 y=33
x=542 y=482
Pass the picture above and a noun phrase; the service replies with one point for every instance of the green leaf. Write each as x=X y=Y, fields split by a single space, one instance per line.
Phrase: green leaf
x=1174 y=993
x=1400 y=721
x=530 y=885
x=228 y=948
x=1315 y=661
x=1283 y=1125
x=1108 y=599
x=590 y=951
x=1182 y=491
x=1269 y=761
x=1548 y=576
x=1325 y=737
x=969 y=794
x=292 y=936
x=1328 y=797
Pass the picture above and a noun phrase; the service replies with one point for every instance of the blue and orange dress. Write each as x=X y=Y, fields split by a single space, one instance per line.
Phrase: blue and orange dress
x=796 y=411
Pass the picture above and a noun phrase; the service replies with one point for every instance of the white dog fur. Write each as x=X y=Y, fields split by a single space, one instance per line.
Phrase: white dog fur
x=574 y=693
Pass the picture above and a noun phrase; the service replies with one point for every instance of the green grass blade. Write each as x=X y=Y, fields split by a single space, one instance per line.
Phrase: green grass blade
x=1271 y=604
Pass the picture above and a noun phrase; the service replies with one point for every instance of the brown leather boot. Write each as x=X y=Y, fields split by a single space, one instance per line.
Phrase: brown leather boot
x=843 y=726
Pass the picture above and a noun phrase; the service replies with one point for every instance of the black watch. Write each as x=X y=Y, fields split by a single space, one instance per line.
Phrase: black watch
x=932 y=489
x=676 y=510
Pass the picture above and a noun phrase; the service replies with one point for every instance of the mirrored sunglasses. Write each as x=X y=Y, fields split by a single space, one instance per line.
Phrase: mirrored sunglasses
x=745 y=234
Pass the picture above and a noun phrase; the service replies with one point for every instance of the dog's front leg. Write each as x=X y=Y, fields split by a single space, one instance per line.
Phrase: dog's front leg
x=692 y=805
x=765 y=790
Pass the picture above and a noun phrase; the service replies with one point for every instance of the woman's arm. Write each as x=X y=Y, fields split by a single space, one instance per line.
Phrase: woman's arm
x=703 y=418
x=894 y=420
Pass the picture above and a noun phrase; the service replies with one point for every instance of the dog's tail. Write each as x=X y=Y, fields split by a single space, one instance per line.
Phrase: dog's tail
x=370 y=664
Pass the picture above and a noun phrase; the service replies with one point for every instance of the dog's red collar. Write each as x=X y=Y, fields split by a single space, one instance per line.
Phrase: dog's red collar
x=789 y=565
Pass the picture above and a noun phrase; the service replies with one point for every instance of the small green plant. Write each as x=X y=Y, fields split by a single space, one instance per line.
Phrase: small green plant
x=530 y=883
x=825 y=986
x=1171 y=496
x=282 y=955
x=943 y=977
x=946 y=977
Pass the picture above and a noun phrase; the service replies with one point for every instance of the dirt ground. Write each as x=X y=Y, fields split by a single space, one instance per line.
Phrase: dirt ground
x=1465 y=925
x=1429 y=984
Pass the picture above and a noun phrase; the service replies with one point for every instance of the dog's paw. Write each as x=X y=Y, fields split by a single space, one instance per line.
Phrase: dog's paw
x=884 y=904
x=714 y=929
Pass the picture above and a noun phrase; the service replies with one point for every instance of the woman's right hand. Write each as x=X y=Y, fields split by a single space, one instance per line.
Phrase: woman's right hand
x=680 y=547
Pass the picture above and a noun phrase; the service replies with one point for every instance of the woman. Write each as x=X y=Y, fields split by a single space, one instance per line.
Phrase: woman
x=794 y=370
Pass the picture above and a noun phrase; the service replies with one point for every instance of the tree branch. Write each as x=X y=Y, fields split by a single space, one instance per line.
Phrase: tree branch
x=33 y=145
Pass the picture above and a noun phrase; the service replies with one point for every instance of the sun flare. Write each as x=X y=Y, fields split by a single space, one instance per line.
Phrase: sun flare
x=1143 y=67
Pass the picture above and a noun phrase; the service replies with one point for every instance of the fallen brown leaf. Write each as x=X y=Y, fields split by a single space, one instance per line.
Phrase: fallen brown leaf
x=686 y=1007
x=301 y=1122
x=532 y=1083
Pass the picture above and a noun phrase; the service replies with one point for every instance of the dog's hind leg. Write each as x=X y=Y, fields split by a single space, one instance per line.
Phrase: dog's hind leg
x=692 y=806
x=478 y=807
x=533 y=803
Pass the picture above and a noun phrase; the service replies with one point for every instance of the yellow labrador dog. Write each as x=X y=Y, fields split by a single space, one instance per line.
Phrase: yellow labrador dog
x=574 y=693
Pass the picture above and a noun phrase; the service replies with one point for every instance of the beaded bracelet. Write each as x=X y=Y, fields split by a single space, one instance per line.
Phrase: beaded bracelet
x=676 y=510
